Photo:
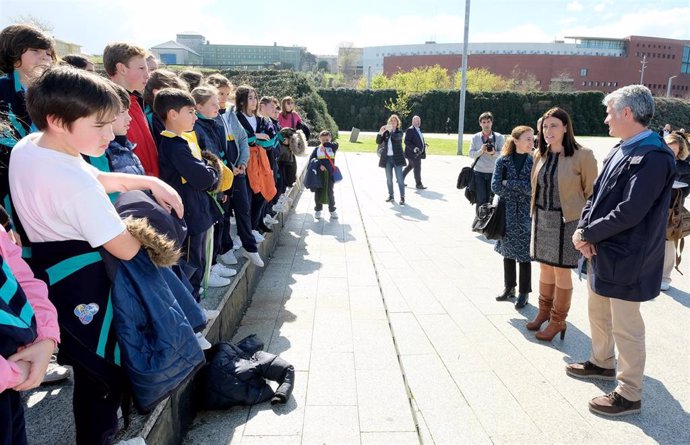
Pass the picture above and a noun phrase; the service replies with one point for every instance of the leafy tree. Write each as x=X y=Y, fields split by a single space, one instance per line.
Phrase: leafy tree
x=481 y=79
x=322 y=66
x=523 y=81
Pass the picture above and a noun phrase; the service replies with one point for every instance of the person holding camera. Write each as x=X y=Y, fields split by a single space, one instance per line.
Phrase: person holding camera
x=486 y=146
x=415 y=151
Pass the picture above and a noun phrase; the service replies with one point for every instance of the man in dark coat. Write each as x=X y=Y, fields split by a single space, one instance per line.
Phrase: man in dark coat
x=415 y=151
x=622 y=232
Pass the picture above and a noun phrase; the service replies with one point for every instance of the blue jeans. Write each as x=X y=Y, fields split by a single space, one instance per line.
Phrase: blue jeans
x=390 y=166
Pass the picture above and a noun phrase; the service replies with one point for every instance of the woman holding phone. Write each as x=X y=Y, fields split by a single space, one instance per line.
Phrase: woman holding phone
x=392 y=157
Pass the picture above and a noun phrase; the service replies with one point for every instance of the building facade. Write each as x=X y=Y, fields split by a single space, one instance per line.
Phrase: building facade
x=194 y=49
x=581 y=64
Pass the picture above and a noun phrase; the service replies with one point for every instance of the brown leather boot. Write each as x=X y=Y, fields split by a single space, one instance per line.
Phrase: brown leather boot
x=545 y=303
x=559 y=312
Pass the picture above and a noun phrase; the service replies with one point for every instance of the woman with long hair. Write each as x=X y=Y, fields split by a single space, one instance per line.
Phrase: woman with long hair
x=392 y=158
x=511 y=182
x=562 y=180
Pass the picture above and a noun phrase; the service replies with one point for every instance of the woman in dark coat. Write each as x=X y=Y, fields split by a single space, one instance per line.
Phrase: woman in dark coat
x=392 y=157
x=511 y=182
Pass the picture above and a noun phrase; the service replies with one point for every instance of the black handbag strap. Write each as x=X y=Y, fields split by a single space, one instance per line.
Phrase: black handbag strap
x=474 y=163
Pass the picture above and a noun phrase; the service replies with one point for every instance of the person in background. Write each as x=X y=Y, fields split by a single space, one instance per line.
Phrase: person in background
x=325 y=154
x=152 y=62
x=192 y=78
x=678 y=142
x=511 y=182
x=79 y=61
x=485 y=145
x=120 y=151
x=415 y=151
x=392 y=157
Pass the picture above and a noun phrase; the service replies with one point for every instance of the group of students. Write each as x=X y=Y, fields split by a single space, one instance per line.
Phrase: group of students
x=72 y=145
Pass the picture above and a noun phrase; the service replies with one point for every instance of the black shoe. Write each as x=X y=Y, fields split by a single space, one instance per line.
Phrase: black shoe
x=421 y=187
x=402 y=201
x=390 y=199
x=507 y=293
x=522 y=300
x=264 y=229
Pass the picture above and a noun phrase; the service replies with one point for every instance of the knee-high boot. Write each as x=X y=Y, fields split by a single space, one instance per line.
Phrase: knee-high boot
x=545 y=302
x=559 y=312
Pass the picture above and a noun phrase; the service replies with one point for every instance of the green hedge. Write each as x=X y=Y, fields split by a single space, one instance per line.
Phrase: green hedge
x=283 y=83
x=365 y=109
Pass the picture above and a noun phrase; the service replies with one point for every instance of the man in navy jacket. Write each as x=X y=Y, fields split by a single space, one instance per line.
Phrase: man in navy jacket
x=622 y=231
x=415 y=151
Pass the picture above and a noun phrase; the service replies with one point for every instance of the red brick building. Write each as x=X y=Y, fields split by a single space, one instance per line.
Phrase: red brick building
x=664 y=58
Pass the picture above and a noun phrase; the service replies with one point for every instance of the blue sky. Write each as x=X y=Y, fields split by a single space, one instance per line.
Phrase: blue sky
x=322 y=26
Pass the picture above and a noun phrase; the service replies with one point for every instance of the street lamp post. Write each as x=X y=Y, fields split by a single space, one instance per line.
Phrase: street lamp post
x=668 y=86
x=463 y=87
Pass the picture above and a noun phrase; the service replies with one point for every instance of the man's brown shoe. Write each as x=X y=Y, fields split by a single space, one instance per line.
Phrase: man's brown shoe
x=589 y=370
x=614 y=405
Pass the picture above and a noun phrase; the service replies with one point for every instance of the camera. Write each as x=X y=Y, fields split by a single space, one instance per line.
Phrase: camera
x=489 y=146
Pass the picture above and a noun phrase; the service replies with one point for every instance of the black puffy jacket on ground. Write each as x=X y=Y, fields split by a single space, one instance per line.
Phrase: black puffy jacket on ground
x=236 y=375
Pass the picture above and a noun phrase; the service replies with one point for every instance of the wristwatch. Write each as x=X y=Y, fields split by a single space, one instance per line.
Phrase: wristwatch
x=580 y=235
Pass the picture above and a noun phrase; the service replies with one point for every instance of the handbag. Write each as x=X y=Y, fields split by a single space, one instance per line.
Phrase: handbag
x=466 y=176
x=491 y=219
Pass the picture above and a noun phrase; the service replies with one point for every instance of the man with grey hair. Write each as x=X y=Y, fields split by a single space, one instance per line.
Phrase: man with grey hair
x=621 y=232
x=415 y=151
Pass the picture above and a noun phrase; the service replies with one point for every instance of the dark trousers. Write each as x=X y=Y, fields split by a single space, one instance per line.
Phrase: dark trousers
x=525 y=286
x=222 y=241
x=416 y=165
x=482 y=183
x=12 y=427
x=240 y=204
x=95 y=404
x=331 y=198
x=196 y=258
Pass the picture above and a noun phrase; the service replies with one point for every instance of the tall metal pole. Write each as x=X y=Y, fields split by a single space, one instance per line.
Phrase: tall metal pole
x=644 y=65
x=668 y=87
x=463 y=87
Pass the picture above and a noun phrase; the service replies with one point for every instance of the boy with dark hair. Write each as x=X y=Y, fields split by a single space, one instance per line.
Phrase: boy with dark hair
x=120 y=151
x=126 y=66
x=74 y=111
x=192 y=78
x=182 y=166
x=78 y=61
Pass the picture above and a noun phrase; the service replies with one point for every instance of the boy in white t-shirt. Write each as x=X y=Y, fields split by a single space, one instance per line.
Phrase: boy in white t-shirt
x=63 y=204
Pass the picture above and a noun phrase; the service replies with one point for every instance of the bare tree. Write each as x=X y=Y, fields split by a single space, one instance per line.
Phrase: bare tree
x=38 y=22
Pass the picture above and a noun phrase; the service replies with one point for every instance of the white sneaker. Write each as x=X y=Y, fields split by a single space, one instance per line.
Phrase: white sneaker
x=665 y=285
x=55 y=372
x=254 y=258
x=205 y=344
x=132 y=441
x=334 y=215
x=280 y=207
x=317 y=214
x=228 y=257
x=211 y=314
x=236 y=243
x=257 y=236
x=223 y=270
x=215 y=280
x=269 y=221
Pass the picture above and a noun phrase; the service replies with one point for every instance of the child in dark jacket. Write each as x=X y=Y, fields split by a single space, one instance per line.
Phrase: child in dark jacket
x=325 y=154
x=182 y=166
x=120 y=150
x=211 y=136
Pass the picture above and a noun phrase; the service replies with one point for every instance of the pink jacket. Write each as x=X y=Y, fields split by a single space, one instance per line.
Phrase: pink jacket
x=289 y=121
x=37 y=293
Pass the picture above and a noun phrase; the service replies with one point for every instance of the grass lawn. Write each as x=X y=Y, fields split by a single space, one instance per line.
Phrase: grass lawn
x=367 y=144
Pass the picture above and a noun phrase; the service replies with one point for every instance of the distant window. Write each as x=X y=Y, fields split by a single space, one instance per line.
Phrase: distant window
x=685 y=62
x=584 y=83
x=583 y=72
x=596 y=83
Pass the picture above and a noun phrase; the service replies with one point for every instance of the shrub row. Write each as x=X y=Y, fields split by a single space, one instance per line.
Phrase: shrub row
x=365 y=109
